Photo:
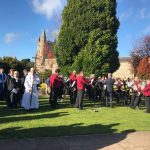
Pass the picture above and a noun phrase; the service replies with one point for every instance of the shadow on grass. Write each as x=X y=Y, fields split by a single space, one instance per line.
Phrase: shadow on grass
x=101 y=140
x=44 y=107
x=74 y=129
x=35 y=117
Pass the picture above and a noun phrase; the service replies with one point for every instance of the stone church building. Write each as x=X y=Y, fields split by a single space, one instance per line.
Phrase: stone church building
x=45 y=58
x=125 y=69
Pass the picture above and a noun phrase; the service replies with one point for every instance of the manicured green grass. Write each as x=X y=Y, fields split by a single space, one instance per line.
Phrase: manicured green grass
x=18 y=123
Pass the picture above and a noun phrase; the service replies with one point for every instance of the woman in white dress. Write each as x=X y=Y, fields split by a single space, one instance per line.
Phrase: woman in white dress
x=30 y=97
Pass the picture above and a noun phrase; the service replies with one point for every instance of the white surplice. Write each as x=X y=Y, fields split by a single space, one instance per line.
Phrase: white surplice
x=30 y=97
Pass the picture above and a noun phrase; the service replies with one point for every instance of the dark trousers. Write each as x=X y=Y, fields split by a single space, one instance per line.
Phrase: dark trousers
x=73 y=96
x=118 y=95
x=53 y=97
x=109 y=96
x=89 y=92
x=135 y=100
x=79 y=100
x=93 y=94
x=99 y=94
x=147 y=103
x=60 y=92
x=15 y=98
x=7 y=99
x=2 y=96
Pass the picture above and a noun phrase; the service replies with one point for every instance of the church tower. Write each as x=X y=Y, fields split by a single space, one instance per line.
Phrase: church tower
x=45 y=57
x=43 y=39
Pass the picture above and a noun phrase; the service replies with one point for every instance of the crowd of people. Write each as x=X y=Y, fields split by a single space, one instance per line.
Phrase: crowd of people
x=19 y=91
x=23 y=91
x=103 y=89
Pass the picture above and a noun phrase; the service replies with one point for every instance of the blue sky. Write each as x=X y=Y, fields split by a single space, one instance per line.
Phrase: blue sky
x=22 y=21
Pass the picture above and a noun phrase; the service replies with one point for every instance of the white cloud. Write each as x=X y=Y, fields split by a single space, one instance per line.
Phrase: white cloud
x=11 y=37
x=47 y=7
x=125 y=16
x=52 y=34
x=147 y=30
x=55 y=33
x=143 y=14
x=120 y=1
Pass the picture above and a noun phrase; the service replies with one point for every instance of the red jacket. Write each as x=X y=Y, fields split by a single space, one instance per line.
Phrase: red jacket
x=138 y=86
x=73 y=78
x=146 y=90
x=81 y=81
x=54 y=81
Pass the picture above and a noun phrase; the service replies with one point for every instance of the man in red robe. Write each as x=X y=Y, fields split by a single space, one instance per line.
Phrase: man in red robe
x=54 y=86
x=81 y=81
x=146 y=92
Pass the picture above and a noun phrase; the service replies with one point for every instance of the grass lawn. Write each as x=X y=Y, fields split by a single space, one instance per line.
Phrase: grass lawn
x=18 y=123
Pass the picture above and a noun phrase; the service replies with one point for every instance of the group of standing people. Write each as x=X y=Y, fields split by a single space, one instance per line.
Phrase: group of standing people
x=76 y=86
x=102 y=88
x=19 y=91
x=23 y=91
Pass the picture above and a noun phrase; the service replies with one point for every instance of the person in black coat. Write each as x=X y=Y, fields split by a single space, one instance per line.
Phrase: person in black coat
x=8 y=87
x=110 y=89
x=93 y=88
x=25 y=73
x=16 y=93
x=99 y=88
x=12 y=89
x=22 y=89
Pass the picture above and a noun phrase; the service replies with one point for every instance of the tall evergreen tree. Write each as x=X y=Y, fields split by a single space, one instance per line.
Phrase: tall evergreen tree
x=88 y=37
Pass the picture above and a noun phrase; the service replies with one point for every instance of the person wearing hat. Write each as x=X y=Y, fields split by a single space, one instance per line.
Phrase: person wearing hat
x=2 y=83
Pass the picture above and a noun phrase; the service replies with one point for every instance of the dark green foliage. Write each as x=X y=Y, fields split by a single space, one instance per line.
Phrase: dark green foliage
x=27 y=64
x=11 y=62
x=88 y=37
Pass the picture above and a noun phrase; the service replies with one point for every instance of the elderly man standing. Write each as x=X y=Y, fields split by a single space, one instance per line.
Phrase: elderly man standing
x=54 y=86
x=81 y=81
x=110 y=89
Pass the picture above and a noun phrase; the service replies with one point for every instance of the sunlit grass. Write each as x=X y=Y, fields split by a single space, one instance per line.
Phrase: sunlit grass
x=66 y=120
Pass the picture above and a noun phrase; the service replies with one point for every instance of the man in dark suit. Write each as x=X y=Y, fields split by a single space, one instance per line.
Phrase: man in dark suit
x=8 y=87
x=110 y=89
x=73 y=87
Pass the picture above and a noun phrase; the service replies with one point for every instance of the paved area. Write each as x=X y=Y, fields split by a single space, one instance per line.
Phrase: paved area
x=123 y=141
